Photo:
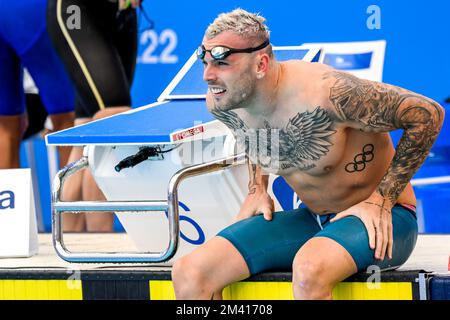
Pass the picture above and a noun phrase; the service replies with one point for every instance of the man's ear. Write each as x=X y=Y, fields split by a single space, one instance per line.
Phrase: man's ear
x=262 y=66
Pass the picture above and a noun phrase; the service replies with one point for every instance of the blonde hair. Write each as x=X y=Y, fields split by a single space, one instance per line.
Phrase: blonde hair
x=243 y=23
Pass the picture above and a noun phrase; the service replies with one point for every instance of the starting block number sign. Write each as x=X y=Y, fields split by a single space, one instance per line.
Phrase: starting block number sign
x=18 y=227
x=152 y=42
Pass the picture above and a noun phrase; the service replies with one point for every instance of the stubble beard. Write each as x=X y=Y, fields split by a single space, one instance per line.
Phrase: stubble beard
x=237 y=99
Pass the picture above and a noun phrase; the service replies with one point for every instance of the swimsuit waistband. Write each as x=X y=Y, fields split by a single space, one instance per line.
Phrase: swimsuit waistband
x=322 y=219
x=411 y=208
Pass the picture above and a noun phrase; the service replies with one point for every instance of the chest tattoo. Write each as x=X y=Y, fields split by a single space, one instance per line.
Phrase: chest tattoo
x=360 y=160
x=304 y=140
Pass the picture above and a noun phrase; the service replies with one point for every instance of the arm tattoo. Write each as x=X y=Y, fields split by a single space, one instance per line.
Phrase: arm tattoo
x=377 y=107
x=239 y=128
x=421 y=129
x=252 y=182
x=380 y=206
x=303 y=141
x=371 y=105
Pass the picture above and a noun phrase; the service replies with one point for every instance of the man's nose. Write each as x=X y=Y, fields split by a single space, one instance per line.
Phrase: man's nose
x=209 y=73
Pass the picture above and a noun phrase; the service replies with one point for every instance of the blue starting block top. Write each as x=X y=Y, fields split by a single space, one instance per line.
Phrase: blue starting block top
x=182 y=106
x=149 y=124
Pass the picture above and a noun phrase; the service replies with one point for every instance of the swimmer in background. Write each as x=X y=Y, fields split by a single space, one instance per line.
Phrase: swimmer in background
x=100 y=57
x=24 y=42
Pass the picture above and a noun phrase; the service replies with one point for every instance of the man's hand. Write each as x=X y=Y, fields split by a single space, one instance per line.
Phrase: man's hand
x=258 y=202
x=375 y=213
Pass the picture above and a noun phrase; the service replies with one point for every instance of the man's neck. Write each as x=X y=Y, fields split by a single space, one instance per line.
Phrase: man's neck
x=265 y=101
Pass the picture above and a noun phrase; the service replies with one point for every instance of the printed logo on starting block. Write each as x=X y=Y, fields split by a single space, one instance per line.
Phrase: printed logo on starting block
x=187 y=133
x=7 y=200
x=18 y=227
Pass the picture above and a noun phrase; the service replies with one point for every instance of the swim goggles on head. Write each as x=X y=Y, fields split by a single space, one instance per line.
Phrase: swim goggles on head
x=221 y=52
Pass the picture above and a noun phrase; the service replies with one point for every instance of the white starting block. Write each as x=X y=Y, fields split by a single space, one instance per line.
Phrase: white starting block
x=140 y=160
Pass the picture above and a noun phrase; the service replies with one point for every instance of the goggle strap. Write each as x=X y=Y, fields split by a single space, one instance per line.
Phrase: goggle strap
x=232 y=50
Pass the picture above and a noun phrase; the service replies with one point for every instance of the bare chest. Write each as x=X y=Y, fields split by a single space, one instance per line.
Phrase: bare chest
x=309 y=141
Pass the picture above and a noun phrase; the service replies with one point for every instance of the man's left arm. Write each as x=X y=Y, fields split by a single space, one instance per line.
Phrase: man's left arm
x=376 y=107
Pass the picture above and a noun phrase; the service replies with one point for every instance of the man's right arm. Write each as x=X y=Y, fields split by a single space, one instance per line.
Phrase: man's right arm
x=258 y=201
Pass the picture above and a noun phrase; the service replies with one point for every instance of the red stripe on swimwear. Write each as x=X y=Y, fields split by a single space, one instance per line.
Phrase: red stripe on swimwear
x=409 y=206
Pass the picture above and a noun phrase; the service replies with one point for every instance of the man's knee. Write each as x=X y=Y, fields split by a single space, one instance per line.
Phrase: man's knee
x=62 y=121
x=12 y=127
x=188 y=279
x=309 y=279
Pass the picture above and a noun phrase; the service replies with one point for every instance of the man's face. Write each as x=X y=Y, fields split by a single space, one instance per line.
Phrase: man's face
x=231 y=81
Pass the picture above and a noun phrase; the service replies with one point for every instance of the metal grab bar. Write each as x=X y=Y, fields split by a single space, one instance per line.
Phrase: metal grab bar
x=129 y=206
x=58 y=207
x=192 y=171
x=171 y=206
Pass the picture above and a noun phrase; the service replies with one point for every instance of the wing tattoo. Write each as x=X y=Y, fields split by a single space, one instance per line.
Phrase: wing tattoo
x=305 y=139
x=238 y=127
x=230 y=119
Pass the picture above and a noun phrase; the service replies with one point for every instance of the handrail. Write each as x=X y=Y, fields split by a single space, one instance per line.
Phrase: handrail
x=171 y=206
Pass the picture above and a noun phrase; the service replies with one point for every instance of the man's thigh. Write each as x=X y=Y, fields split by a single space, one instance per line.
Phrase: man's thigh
x=11 y=87
x=46 y=69
x=351 y=234
x=271 y=245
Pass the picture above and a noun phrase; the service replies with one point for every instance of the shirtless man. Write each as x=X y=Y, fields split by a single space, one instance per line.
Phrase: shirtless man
x=334 y=151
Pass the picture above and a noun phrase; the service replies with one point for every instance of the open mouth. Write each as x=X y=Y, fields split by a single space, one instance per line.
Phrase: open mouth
x=217 y=90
